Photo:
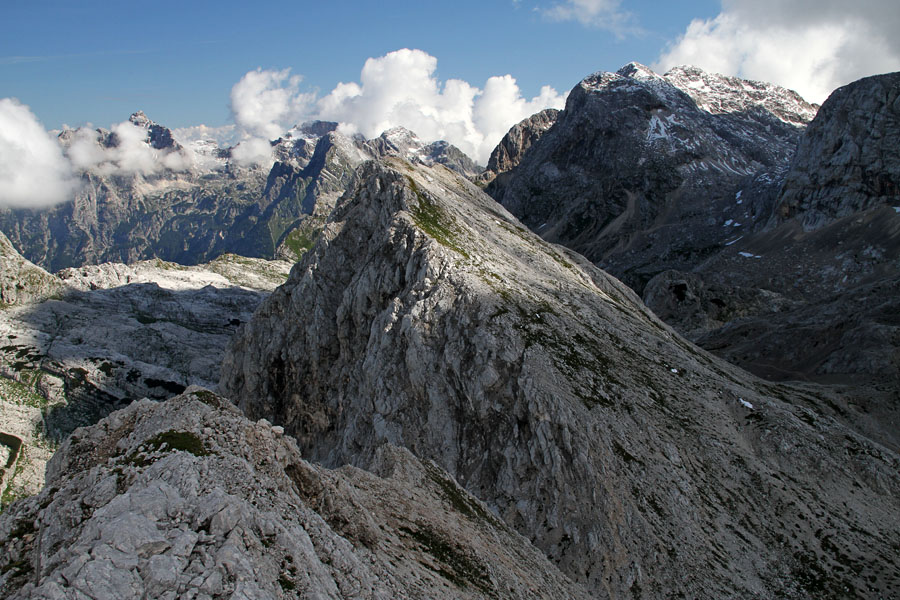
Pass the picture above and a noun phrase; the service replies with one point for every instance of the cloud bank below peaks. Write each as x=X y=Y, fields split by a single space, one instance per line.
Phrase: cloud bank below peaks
x=122 y=151
x=810 y=46
x=33 y=171
x=38 y=169
x=398 y=89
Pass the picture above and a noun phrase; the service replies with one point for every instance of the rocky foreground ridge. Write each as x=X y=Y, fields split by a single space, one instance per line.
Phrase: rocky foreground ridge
x=189 y=499
x=426 y=317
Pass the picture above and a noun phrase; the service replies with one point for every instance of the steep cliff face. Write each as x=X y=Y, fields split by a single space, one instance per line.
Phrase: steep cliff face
x=827 y=265
x=428 y=318
x=516 y=142
x=188 y=499
x=849 y=158
x=643 y=173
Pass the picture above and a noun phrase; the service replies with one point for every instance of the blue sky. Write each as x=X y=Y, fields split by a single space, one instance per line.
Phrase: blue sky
x=90 y=61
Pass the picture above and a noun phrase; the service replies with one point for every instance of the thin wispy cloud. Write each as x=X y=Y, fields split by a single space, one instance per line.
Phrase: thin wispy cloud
x=601 y=14
x=16 y=60
x=11 y=60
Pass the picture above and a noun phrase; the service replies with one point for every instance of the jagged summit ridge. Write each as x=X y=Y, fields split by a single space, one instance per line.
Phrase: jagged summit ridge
x=427 y=317
x=722 y=94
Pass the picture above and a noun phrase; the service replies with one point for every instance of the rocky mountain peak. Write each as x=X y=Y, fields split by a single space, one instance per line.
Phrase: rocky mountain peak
x=517 y=141
x=158 y=136
x=140 y=119
x=399 y=141
x=634 y=153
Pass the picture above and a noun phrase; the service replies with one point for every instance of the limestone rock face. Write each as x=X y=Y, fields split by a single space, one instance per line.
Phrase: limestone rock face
x=21 y=280
x=120 y=332
x=113 y=333
x=518 y=139
x=642 y=173
x=189 y=499
x=427 y=317
x=849 y=158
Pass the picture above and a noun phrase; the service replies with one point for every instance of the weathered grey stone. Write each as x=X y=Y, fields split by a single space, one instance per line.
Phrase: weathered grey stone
x=427 y=317
x=848 y=160
x=21 y=281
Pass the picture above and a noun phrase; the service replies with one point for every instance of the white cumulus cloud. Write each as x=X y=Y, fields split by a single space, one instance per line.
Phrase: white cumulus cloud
x=263 y=103
x=400 y=89
x=33 y=171
x=810 y=46
x=397 y=89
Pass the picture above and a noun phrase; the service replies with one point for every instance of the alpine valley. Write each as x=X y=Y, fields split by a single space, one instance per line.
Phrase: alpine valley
x=652 y=350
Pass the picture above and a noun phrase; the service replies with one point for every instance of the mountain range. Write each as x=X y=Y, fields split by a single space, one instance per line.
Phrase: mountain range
x=472 y=383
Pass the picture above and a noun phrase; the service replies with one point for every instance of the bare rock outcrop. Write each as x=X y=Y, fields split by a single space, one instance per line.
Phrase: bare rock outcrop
x=516 y=142
x=21 y=281
x=848 y=160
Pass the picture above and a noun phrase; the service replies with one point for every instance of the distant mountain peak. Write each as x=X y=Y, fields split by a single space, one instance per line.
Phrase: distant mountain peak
x=636 y=70
x=140 y=119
